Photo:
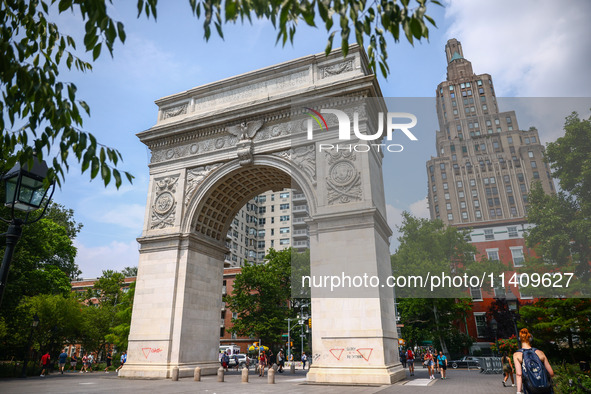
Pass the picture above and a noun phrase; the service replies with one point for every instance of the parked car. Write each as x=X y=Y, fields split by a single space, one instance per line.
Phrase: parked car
x=465 y=362
x=241 y=361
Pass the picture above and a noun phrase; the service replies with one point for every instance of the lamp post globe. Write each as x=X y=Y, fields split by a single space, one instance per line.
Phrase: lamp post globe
x=25 y=191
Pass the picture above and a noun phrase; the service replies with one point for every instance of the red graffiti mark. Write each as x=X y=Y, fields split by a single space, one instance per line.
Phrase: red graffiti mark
x=339 y=351
x=148 y=350
x=365 y=353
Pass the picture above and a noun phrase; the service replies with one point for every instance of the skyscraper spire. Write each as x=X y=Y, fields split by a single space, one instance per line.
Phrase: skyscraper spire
x=457 y=66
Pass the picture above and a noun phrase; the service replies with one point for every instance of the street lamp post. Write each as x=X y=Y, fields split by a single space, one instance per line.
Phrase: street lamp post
x=34 y=325
x=25 y=191
x=494 y=326
x=513 y=305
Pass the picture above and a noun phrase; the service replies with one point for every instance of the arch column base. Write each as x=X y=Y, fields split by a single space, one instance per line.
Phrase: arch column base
x=164 y=371
x=388 y=374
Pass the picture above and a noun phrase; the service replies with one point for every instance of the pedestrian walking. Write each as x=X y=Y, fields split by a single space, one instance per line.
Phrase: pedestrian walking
x=84 y=363
x=262 y=364
x=45 y=359
x=430 y=364
x=109 y=360
x=225 y=361
x=402 y=357
x=73 y=361
x=410 y=361
x=507 y=369
x=62 y=361
x=123 y=360
x=280 y=361
x=90 y=361
x=304 y=359
x=533 y=371
x=442 y=361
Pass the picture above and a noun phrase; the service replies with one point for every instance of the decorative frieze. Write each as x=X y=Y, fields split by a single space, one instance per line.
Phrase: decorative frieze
x=174 y=111
x=336 y=69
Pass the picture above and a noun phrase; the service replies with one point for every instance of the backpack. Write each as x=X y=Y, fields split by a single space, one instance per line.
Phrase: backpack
x=409 y=355
x=535 y=375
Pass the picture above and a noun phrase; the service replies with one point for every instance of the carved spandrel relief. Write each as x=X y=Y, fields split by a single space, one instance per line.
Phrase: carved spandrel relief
x=343 y=180
x=164 y=206
x=303 y=157
x=195 y=177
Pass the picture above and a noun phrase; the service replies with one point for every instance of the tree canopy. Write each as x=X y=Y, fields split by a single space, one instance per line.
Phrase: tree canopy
x=561 y=235
x=43 y=116
x=261 y=297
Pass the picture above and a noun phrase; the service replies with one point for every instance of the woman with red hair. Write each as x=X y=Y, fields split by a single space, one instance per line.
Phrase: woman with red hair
x=533 y=358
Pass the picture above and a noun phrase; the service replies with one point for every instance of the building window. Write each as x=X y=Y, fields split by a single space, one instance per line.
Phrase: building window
x=261 y=245
x=284 y=241
x=534 y=164
x=450 y=216
x=522 y=294
x=261 y=199
x=284 y=230
x=262 y=210
x=272 y=208
x=478 y=214
x=464 y=215
x=284 y=206
x=461 y=194
x=517 y=253
x=476 y=293
x=445 y=187
x=448 y=206
x=443 y=175
x=492 y=254
x=480 y=319
x=463 y=204
x=446 y=195
x=476 y=204
x=284 y=218
x=513 y=211
x=460 y=184
x=488 y=234
x=284 y=195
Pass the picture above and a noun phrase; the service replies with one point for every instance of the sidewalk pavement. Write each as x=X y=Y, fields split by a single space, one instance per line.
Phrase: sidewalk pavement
x=459 y=381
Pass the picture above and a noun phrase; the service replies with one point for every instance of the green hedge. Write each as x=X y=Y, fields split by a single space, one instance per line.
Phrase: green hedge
x=569 y=379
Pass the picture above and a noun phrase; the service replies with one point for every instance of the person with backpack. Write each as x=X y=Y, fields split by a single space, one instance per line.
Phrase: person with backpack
x=532 y=368
x=507 y=369
x=410 y=361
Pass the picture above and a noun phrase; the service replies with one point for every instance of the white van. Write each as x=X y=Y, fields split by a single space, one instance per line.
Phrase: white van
x=229 y=349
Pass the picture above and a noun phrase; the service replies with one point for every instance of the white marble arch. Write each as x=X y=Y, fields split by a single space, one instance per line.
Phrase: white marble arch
x=215 y=147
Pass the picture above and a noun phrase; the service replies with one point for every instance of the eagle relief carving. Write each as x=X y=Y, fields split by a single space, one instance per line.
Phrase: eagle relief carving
x=245 y=132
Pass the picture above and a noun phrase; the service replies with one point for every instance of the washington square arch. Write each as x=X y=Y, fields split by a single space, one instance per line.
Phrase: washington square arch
x=217 y=146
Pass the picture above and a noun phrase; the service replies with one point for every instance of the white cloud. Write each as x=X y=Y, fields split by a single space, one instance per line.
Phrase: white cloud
x=114 y=256
x=530 y=48
x=125 y=215
x=420 y=209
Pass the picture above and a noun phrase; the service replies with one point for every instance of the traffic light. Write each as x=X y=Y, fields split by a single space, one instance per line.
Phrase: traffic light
x=310 y=322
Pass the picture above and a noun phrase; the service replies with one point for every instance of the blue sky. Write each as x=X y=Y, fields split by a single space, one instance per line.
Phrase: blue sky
x=531 y=49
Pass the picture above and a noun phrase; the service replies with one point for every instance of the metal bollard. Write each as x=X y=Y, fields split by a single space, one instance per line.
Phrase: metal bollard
x=275 y=367
x=220 y=374
x=292 y=367
x=271 y=376
x=197 y=374
x=244 y=375
x=175 y=374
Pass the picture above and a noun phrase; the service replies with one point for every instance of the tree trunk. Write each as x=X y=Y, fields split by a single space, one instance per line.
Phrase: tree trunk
x=441 y=339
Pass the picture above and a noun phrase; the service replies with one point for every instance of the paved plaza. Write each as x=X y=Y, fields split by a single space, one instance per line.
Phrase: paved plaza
x=460 y=381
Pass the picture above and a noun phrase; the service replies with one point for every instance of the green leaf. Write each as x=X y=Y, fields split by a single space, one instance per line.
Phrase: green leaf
x=96 y=52
x=121 y=31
